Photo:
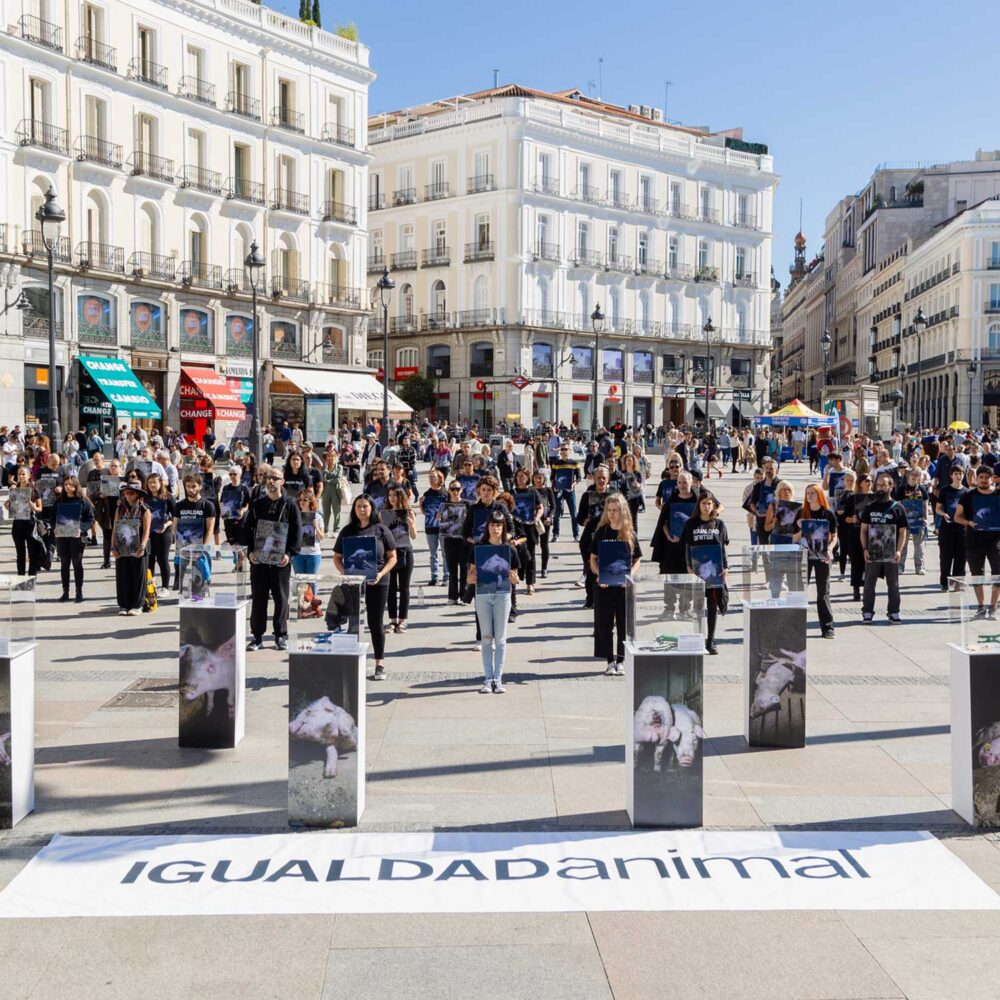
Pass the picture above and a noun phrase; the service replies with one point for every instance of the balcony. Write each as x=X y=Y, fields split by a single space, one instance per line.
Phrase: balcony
x=745 y=221
x=993 y=264
x=542 y=369
x=147 y=71
x=100 y=257
x=334 y=355
x=93 y=150
x=149 y=339
x=647 y=328
x=678 y=272
x=587 y=258
x=480 y=183
x=32 y=245
x=618 y=262
x=405 y=260
x=648 y=206
x=157 y=168
x=200 y=179
x=339 y=135
x=707 y=273
x=237 y=281
x=36 y=325
x=546 y=251
x=151 y=267
x=197 y=90
x=436 y=321
x=3 y=237
x=642 y=376
x=583 y=372
x=285 y=349
x=743 y=280
x=476 y=317
x=588 y=193
x=676 y=331
x=614 y=374
x=708 y=215
x=287 y=118
x=286 y=200
x=399 y=325
x=649 y=267
x=198 y=274
x=546 y=185
x=437 y=191
x=42 y=135
x=92 y=51
x=619 y=199
x=404 y=196
x=293 y=289
x=97 y=336
x=244 y=105
x=681 y=211
x=992 y=307
x=482 y=250
x=376 y=202
x=672 y=374
x=339 y=296
x=244 y=189
x=34 y=29
x=336 y=211
x=435 y=257
x=376 y=262
x=551 y=319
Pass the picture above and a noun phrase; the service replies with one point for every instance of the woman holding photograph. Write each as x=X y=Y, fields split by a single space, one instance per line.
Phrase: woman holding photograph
x=846 y=488
x=705 y=527
x=309 y=558
x=23 y=524
x=234 y=503
x=548 y=500
x=105 y=508
x=493 y=609
x=364 y=522
x=334 y=478
x=430 y=504
x=451 y=523
x=611 y=603
x=131 y=528
x=853 y=508
x=161 y=535
x=402 y=522
x=784 y=493
x=70 y=549
x=527 y=527
x=212 y=486
x=817 y=508
x=632 y=485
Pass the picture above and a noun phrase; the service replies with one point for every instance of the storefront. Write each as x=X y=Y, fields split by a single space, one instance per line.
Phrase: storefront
x=541 y=408
x=209 y=402
x=36 y=394
x=582 y=411
x=111 y=394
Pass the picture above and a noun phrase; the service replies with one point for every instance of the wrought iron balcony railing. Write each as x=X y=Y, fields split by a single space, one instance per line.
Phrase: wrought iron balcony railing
x=285 y=200
x=197 y=90
x=148 y=71
x=95 y=52
x=335 y=211
x=238 y=103
x=435 y=257
x=151 y=267
x=375 y=202
x=244 y=189
x=34 y=29
x=405 y=260
x=545 y=251
x=480 y=183
x=201 y=275
x=289 y=288
x=94 y=150
x=341 y=135
x=92 y=256
x=586 y=258
x=376 y=262
x=42 y=135
x=143 y=164
x=288 y=118
x=481 y=250
x=342 y=296
x=404 y=196
x=436 y=191
x=209 y=181
x=546 y=185
x=32 y=245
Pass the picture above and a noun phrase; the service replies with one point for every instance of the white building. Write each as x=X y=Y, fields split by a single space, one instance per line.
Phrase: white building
x=507 y=216
x=174 y=136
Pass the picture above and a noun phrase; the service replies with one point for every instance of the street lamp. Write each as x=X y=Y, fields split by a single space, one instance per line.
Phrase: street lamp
x=254 y=263
x=50 y=217
x=919 y=325
x=825 y=342
x=971 y=371
x=776 y=377
x=438 y=372
x=708 y=330
x=385 y=286
x=895 y=397
x=597 y=321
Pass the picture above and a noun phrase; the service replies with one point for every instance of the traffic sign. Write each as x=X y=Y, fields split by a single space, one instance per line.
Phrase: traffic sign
x=480 y=385
x=519 y=382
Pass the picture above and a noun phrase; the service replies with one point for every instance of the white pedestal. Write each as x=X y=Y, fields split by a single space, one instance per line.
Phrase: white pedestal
x=975 y=736
x=774 y=674
x=17 y=735
x=326 y=737
x=212 y=676
x=664 y=736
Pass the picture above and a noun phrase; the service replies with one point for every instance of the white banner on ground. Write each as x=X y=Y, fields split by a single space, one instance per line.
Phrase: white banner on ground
x=492 y=872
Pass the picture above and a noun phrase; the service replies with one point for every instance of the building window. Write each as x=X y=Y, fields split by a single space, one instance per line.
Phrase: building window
x=375 y=359
x=483 y=232
x=613 y=363
x=642 y=249
x=615 y=192
x=646 y=194
x=613 y=245
x=481 y=360
x=96 y=319
x=740 y=371
x=994 y=261
x=439 y=361
x=408 y=357
x=741 y=262
x=702 y=255
x=675 y=198
x=196 y=331
x=541 y=361
x=673 y=254
x=582 y=238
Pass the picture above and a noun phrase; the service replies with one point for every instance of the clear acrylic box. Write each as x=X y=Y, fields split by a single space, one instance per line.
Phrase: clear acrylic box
x=669 y=613
x=17 y=614
x=213 y=576
x=773 y=576
x=977 y=632
x=326 y=613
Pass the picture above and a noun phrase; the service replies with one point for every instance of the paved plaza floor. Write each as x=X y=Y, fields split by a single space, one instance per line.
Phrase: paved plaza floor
x=548 y=755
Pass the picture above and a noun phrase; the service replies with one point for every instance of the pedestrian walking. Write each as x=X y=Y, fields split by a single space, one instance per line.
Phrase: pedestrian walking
x=130 y=547
x=74 y=516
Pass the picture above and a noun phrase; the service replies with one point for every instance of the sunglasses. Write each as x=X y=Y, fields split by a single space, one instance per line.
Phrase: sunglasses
x=454 y=489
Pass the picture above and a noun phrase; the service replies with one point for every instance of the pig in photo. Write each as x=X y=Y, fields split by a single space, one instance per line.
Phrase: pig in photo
x=492 y=569
x=686 y=735
x=325 y=739
x=654 y=721
x=984 y=707
x=208 y=679
x=776 y=665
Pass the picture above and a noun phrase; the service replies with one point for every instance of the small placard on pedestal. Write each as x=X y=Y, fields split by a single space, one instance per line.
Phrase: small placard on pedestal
x=17 y=734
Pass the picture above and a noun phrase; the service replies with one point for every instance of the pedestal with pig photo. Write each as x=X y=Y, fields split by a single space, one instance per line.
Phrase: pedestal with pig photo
x=664 y=736
x=774 y=673
x=975 y=736
x=17 y=735
x=326 y=734
x=212 y=676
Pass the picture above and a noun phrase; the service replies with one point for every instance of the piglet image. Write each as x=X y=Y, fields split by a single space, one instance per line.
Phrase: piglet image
x=329 y=725
x=689 y=734
x=356 y=562
x=770 y=684
x=617 y=568
x=4 y=752
x=495 y=566
x=987 y=742
x=653 y=723
x=208 y=671
x=708 y=570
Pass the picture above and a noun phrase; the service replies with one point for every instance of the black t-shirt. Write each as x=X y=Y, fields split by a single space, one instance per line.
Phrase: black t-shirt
x=237 y=496
x=429 y=503
x=281 y=511
x=476 y=516
x=823 y=514
x=713 y=532
x=399 y=526
x=678 y=507
x=950 y=497
x=883 y=512
x=591 y=505
x=384 y=543
x=976 y=536
x=190 y=517
x=608 y=534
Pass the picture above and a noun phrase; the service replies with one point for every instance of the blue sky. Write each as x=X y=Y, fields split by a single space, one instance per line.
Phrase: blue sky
x=833 y=89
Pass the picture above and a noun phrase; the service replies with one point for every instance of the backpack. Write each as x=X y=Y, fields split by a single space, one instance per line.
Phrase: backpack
x=149 y=601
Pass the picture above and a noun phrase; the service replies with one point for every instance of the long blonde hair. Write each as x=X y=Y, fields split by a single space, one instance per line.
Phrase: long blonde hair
x=626 y=533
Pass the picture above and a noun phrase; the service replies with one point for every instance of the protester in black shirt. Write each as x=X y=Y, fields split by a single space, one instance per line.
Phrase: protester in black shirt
x=161 y=527
x=527 y=527
x=234 y=502
x=70 y=549
x=130 y=566
x=882 y=547
x=28 y=549
x=854 y=505
x=589 y=514
x=706 y=528
x=912 y=490
x=951 y=535
x=760 y=499
x=817 y=508
x=194 y=522
x=548 y=501
x=981 y=543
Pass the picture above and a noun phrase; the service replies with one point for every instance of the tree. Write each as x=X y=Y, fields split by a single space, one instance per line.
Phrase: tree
x=418 y=391
x=348 y=31
x=303 y=10
x=315 y=14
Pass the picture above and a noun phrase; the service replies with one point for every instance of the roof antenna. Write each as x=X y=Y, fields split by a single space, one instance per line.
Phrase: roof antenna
x=666 y=95
x=800 y=214
x=600 y=78
x=590 y=89
x=496 y=78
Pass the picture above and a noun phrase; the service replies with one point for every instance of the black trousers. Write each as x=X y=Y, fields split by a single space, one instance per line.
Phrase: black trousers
x=712 y=597
x=70 y=552
x=610 y=617
x=399 y=585
x=951 y=549
x=857 y=558
x=108 y=536
x=269 y=582
x=844 y=531
x=375 y=600
x=527 y=554
x=821 y=570
x=25 y=547
x=543 y=545
x=130 y=581
x=159 y=554
x=456 y=558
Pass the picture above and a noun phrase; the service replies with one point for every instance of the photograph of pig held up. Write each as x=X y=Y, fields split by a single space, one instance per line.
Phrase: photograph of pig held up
x=323 y=738
x=777 y=651
x=208 y=671
x=984 y=701
x=668 y=740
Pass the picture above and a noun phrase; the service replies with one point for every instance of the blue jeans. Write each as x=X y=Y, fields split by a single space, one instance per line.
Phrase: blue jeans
x=570 y=497
x=306 y=565
x=434 y=545
x=492 y=611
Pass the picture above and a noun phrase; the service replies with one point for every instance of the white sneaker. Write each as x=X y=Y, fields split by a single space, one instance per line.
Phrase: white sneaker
x=610 y=670
x=921 y=572
x=487 y=688
x=620 y=670
x=478 y=645
x=498 y=687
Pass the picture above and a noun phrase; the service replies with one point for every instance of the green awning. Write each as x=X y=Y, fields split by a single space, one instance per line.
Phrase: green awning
x=120 y=386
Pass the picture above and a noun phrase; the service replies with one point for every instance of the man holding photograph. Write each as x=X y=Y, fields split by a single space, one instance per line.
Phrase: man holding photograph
x=977 y=511
x=883 y=536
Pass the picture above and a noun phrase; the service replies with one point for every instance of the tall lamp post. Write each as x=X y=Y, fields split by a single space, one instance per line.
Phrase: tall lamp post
x=971 y=371
x=919 y=325
x=385 y=286
x=597 y=321
x=826 y=342
x=51 y=216
x=437 y=402
x=254 y=263
x=776 y=376
x=896 y=397
x=708 y=330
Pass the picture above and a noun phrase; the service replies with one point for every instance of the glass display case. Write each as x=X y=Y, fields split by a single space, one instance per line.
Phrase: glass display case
x=772 y=576
x=213 y=576
x=325 y=613
x=977 y=627
x=17 y=614
x=669 y=613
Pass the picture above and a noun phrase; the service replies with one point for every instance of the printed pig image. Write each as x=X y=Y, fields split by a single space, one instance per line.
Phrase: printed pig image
x=327 y=724
x=686 y=735
x=4 y=752
x=617 y=568
x=356 y=562
x=708 y=570
x=987 y=742
x=653 y=723
x=495 y=566
x=772 y=681
x=208 y=671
